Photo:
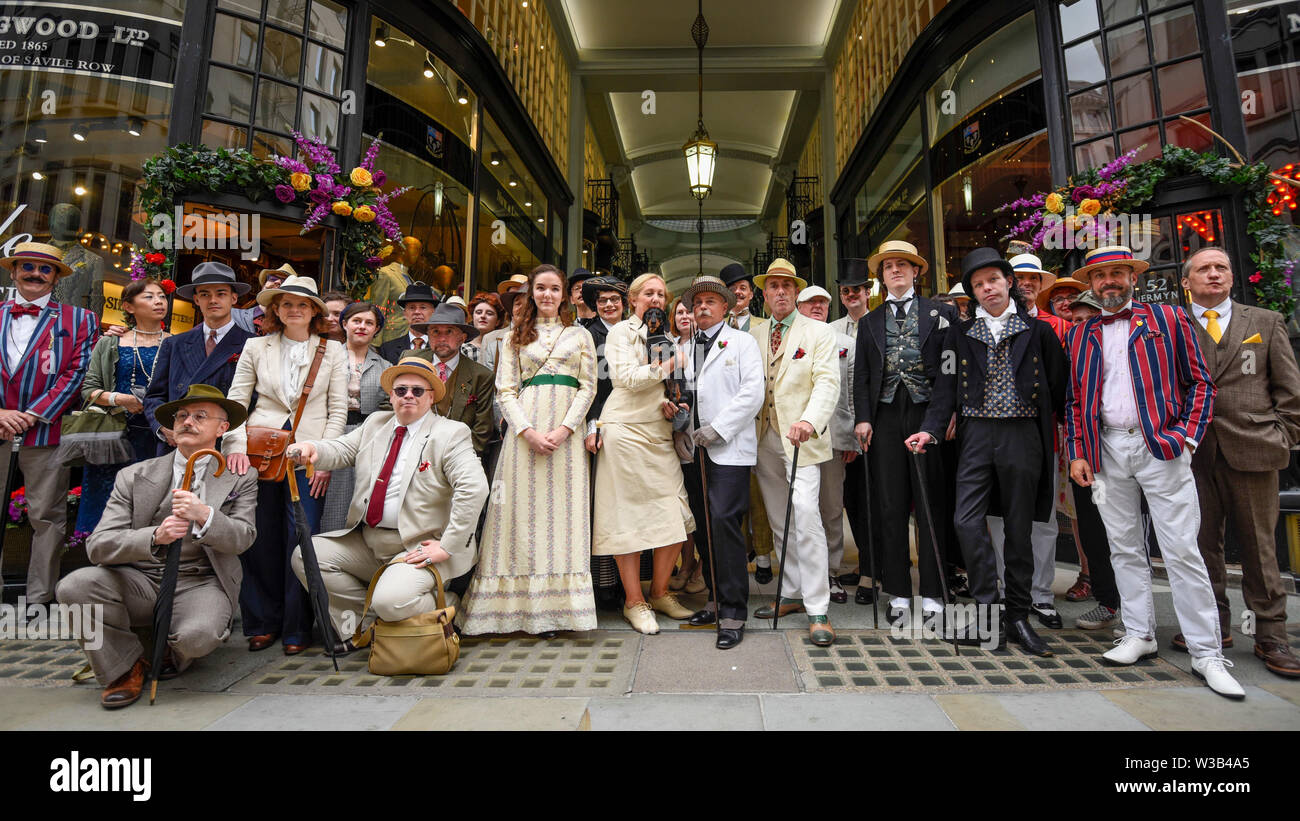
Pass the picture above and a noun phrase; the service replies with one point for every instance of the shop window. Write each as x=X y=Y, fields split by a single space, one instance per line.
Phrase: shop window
x=270 y=69
x=990 y=70
x=409 y=72
x=1138 y=60
x=512 y=212
x=1268 y=76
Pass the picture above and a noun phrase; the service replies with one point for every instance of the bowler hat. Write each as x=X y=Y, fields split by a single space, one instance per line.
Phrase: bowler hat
x=212 y=273
x=854 y=272
x=417 y=366
x=983 y=258
x=197 y=392
x=580 y=275
x=732 y=273
x=418 y=292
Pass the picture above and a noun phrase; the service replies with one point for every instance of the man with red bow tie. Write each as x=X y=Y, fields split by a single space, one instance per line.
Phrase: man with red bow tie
x=46 y=352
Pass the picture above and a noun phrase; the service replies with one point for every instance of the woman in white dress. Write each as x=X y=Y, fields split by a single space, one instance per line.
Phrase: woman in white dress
x=534 y=563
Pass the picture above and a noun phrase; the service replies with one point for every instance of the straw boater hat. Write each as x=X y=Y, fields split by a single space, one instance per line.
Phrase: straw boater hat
x=713 y=285
x=446 y=315
x=212 y=273
x=284 y=272
x=37 y=252
x=1030 y=264
x=419 y=367
x=1045 y=295
x=812 y=292
x=958 y=292
x=1110 y=255
x=235 y=412
x=780 y=268
x=294 y=286
x=896 y=249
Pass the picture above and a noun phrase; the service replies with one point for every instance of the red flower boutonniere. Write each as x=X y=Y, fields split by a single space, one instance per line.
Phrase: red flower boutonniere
x=722 y=343
x=799 y=354
x=471 y=399
x=423 y=467
x=234 y=357
x=844 y=352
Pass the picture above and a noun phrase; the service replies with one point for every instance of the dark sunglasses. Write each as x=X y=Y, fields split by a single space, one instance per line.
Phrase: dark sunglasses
x=415 y=390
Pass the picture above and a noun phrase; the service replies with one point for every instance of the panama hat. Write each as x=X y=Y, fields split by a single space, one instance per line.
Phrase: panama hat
x=235 y=412
x=514 y=282
x=812 y=292
x=294 y=286
x=37 y=252
x=780 y=268
x=958 y=292
x=446 y=315
x=1110 y=255
x=212 y=273
x=896 y=249
x=417 y=366
x=284 y=272
x=1045 y=295
x=713 y=285
x=1031 y=264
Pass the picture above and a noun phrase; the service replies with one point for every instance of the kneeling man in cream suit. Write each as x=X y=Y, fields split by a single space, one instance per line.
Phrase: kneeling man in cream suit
x=419 y=490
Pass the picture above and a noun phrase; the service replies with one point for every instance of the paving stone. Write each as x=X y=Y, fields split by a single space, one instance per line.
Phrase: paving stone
x=1067 y=711
x=675 y=712
x=845 y=711
x=977 y=711
x=1199 y=708
x=688 y=662
x=1289 y=690
x=77 y=708
x=323 y=712
x=496 y=714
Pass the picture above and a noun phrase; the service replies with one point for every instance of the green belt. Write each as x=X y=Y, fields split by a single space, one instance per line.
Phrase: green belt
x=551 y=379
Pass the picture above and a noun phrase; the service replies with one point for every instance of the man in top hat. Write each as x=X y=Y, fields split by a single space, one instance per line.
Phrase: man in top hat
x=733 y=274
x=206 y=354
x=814 y=302
x=581 y=311
x=899 y=353
x=508 y=290
x=469 y=385
x=606 y=298
x=417 y=304
x=46 y=351
x=417 y=496
x=146 y=513
x=725 y=369
x=1256 y=423
x=800 y=360
x=1007 y=385
x=1141 y=401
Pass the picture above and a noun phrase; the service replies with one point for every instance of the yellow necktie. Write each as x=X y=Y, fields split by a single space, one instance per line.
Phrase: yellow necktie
x=1212 y=327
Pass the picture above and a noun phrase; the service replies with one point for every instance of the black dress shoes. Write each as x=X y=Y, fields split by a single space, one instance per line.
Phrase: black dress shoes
x=762 y=575
x=728 y=639
x=850 y=579
x=864 y=595
x=702 y=618
x=1047 y=615
x=1021 y=633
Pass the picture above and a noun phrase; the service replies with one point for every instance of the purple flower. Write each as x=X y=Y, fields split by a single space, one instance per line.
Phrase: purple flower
x=373 y=262
x=379 y=178
x=319 y=196
x=368 y=161
x=325 y=181
x=285 y=193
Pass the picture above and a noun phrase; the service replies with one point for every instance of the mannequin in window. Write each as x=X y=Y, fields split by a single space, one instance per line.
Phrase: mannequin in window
x=84 y=287
x=391 y=281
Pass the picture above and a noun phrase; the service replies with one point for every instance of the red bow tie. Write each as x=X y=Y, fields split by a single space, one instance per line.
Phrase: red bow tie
x=25 y=310
x=1106 y=319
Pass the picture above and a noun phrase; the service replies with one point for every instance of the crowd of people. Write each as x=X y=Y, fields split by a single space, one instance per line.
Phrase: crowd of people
x=568 y=444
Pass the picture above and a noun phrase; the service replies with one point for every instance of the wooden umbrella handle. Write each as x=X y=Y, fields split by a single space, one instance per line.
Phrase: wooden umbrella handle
x=188 y=477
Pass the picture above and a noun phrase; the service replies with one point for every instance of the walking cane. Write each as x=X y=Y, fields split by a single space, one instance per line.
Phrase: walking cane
x=934 y=542
x=871 y=549
x=708 y=531
x=785 y=537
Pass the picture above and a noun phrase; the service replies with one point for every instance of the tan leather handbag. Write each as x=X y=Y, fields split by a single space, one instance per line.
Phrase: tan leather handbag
x=423 y=645
x=267 y=446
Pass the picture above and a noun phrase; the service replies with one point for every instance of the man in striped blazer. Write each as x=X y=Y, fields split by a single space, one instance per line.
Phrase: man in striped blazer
x=1140 y=401
x=46 y=352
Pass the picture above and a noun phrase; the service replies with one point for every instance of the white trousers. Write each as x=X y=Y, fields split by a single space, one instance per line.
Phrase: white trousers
x=1043 y=540
x=806 y=570
x=831 y=503
x=1128 y=471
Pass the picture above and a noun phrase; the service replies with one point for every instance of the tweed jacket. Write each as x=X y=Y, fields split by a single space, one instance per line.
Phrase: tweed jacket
x=471 y=389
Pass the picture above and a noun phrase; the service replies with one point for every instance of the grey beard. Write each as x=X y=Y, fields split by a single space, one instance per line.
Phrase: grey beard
x=1112 y=303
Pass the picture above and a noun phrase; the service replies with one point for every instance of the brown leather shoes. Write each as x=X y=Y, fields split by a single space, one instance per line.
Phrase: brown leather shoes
x=261 y=642
x=1278 y=658
x=126 y=690
x=1180 y=643
x=294 y=649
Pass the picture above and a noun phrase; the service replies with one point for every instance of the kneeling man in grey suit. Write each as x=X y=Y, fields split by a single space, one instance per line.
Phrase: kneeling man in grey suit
x=418 y=492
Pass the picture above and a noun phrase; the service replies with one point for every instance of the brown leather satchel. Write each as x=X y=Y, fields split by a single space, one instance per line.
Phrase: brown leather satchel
x=267 y=446
x=422 y=645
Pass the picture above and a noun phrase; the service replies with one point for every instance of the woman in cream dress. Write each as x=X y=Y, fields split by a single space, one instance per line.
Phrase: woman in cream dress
x=534 y=562
x=641 y=499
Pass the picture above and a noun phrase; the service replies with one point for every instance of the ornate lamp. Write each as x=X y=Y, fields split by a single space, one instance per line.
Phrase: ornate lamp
x=701 y=152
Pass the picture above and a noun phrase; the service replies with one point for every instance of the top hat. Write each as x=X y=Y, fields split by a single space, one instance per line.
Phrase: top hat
x=283 y=272
x=1110 y=255
x=1031 y=264
x=38 y=252
x=419 y=367
x=713 y=285
x=580 y=275
x=854 y=272
x=418 y=292
x=446 y=315
x=897 y=249
x=983 y=258
x=1045 y=295
x=296 y=286
x=732 y=273
x=592 y=288
x=812 y=292
x=212 y=273
x=235 y=412
x=780 y=268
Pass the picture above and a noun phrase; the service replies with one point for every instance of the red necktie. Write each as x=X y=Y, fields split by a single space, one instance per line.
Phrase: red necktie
x=375 y=510
x=442 y=371
x=211 y=344
x=25 y=310
x=776 y=337
x=1106 y=319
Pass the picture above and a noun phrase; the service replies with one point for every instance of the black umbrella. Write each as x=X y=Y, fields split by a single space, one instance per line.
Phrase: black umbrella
x=948 y=598
x=162 y=606
x=316 y=592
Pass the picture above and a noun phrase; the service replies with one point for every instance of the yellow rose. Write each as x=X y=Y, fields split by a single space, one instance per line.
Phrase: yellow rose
x=1054 y=203
x=363 y=214
x=341 y=208
x=1071 y=223
x=385 y=251
x=361 y=178
x=1090 y=207
x=300 y=181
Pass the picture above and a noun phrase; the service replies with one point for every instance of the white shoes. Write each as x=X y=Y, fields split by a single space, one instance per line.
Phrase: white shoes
x=642 y=618
x=1130 y=650
x=1213 y=670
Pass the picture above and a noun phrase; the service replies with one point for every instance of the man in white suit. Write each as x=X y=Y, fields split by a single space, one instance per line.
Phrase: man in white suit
x=418 y=493
x=803 y=387
x=726 y=369
x=815 y=303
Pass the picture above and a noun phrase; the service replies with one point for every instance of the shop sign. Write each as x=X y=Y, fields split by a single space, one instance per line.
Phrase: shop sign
x=86 y=40
x=970 y=137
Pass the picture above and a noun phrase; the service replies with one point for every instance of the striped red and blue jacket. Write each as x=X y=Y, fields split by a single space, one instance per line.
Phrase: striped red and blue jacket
x=47 y=381
x=1171 y=384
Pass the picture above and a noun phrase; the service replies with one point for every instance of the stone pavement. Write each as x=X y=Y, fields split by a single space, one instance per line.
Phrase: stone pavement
x=616 y=679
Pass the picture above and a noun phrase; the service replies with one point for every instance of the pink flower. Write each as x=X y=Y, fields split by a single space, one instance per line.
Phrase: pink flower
x=1256 y=277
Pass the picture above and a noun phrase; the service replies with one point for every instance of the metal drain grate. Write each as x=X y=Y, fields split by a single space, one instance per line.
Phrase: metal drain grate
x=873 y=660
x=40 y=662
x=594 y=664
